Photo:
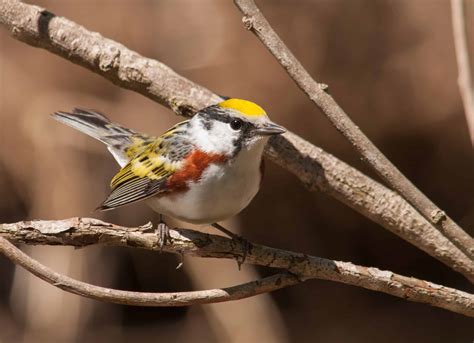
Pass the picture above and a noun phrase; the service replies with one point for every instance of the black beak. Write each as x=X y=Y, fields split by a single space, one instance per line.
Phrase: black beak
x=269 y=129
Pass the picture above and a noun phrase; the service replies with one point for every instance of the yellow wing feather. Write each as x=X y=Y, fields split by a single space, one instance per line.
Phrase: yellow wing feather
x=147 y=171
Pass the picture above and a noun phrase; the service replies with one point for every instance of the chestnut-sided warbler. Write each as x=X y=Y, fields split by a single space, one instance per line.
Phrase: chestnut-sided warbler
x=201 y=170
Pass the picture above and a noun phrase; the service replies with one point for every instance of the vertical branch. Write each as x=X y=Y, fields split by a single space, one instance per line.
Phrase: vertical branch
x=256 y=22
x=466 y=86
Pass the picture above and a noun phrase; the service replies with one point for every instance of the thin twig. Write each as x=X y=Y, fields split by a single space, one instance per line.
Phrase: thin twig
x=85 y=231
x=466 y=85
x=116 y=296
x=317 y=169
x=255 y=21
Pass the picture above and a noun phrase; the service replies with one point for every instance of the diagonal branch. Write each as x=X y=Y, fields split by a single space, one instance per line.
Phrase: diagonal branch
x=255 y=21
x=317 y=169
x=466 y=85
x=80 y=232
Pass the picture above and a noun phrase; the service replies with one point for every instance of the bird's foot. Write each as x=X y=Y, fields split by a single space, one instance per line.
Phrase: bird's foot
x=246 y=245
x=163 y=233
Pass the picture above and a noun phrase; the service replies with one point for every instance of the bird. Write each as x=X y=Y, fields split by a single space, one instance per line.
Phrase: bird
x=202 y=170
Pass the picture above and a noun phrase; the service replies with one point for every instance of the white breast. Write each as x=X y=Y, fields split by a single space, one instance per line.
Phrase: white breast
x=222 y=191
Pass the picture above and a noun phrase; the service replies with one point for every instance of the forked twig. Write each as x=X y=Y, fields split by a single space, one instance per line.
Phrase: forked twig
x=84 y=231
x=149 y=299
x=317 y=169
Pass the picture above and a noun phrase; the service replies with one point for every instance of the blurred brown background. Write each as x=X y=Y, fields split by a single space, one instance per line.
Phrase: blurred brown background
x=390 y=65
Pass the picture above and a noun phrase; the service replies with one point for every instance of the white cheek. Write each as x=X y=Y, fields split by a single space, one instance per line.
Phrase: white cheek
x=219 y=139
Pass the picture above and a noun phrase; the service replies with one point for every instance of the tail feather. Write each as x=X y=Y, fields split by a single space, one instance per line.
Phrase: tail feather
x=117 y=138
x=96 y=125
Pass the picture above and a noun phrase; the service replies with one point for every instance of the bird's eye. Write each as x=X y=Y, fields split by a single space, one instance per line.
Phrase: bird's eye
x=236 y=124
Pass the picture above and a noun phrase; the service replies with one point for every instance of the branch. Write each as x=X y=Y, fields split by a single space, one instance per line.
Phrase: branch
x=79 y=232
x=466 y=86
x=317 y=169
x=115 y=296
x=255 y=21
x=125 y=68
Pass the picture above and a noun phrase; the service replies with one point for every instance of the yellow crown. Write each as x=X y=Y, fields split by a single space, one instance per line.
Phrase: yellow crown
x=245 y=107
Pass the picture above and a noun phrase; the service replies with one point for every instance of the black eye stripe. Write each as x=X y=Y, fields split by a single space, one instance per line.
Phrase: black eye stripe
x=216 y=113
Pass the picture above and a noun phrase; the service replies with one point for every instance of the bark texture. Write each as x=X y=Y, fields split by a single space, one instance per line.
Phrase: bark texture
x=317 y=169
x=80 y=232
